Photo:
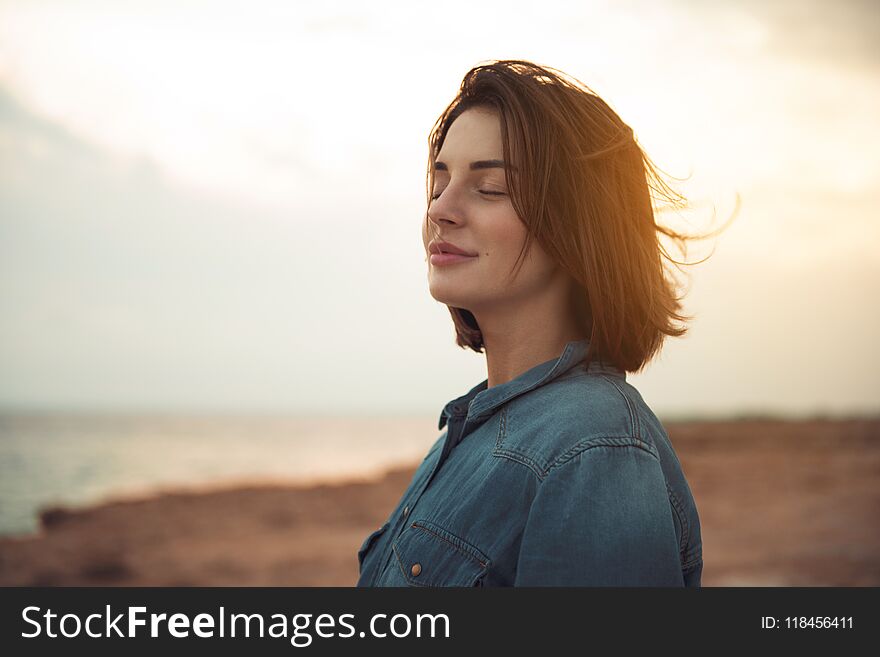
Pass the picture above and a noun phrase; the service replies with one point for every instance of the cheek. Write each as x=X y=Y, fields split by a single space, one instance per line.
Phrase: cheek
x=504 y=237
x=540 y=265
x=536 y=268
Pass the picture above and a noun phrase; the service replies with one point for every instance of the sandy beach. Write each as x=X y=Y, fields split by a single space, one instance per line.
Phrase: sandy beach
x=782 y=503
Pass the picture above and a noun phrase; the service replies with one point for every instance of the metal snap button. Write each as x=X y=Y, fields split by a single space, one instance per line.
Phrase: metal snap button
x=416 y=569
x=406 y=511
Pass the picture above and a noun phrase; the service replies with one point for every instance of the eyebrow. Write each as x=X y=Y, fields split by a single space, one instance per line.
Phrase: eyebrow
x=474 y=166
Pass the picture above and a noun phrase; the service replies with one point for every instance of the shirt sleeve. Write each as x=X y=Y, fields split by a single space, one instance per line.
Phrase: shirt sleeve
x=601 y=518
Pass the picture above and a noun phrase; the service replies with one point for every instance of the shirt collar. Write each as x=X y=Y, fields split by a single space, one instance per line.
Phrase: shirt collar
x=482 y=401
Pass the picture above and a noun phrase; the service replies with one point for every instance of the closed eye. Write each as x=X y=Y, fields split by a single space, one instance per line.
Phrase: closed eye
x=482 y=191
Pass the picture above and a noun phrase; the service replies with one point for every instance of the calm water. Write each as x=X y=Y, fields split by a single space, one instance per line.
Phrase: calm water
x=78 y=460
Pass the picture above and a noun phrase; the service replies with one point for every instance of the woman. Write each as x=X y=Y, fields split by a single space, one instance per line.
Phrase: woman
x=542 y=242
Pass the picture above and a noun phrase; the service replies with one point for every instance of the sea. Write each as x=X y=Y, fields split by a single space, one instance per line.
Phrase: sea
x=79 y=460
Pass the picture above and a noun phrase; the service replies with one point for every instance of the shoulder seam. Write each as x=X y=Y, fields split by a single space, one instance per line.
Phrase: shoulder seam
x=511 y=455
x=603 y=441
x=633 y=415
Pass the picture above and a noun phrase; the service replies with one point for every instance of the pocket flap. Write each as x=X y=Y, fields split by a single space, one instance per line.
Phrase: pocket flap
x=429 y=555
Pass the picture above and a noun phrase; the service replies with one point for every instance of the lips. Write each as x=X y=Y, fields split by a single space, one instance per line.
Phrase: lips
x=449 y=248
x=444 y=259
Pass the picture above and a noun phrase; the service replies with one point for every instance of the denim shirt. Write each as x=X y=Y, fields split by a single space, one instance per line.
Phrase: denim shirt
x=560 y=477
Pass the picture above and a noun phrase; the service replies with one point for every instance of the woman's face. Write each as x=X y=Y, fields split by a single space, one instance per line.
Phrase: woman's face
x=471 y=209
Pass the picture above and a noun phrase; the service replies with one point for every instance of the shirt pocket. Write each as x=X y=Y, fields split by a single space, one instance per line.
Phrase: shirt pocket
x=368 y=543
x=429 y=555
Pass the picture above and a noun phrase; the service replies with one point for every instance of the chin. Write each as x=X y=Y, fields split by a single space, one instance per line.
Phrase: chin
x=444 y=294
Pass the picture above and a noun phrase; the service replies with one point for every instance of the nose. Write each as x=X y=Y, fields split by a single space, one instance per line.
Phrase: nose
x=443 y=209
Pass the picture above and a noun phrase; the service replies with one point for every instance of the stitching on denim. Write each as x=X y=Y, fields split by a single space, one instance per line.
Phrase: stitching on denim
x=574 y=374
x=692 y=564
x=541 y=470
x=403 y=569
x=413 y=499
x=602 y=441
x=695 y=554
x=682 y=520
x=423 y=525
x=633 y=415
x=502 y=428
x=511 y=455
x=394 y=548
x=516 y=457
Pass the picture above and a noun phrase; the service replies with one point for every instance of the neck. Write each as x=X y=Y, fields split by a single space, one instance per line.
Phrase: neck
x=515 y=342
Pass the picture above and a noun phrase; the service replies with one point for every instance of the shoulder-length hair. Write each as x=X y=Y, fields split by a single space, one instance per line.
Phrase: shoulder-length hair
x=582 y=186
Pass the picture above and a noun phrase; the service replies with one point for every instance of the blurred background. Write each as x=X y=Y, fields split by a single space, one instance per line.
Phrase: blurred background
x=219 y=360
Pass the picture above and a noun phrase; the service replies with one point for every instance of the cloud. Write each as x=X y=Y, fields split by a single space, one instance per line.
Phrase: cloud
x=119 y=288
x=842 y=33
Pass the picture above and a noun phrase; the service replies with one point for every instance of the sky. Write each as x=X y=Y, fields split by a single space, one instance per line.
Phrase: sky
x=216 y=207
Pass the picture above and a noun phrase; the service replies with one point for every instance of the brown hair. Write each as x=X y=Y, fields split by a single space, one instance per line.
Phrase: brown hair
x=582 y=186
